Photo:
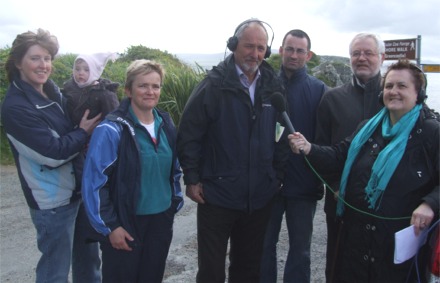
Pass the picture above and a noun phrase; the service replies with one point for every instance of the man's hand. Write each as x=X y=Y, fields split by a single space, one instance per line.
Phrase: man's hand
x=195 y=192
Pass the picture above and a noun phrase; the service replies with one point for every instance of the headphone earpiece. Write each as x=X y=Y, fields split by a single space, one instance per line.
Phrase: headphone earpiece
x=232 y=42
x=268 y=52
x=421 y=97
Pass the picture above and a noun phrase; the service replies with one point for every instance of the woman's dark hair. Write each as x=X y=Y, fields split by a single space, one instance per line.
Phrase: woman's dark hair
x=21 y=45
x=417 y=73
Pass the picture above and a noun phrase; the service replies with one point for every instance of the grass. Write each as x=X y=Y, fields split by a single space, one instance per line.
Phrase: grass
x=6 y=157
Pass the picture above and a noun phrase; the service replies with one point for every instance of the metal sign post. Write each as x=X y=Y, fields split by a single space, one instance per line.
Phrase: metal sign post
x=410 y=49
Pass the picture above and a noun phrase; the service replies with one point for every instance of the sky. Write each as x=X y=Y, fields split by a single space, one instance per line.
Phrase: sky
x=203 y=26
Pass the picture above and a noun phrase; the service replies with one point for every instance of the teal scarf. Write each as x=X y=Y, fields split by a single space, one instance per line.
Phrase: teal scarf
x=387 y=160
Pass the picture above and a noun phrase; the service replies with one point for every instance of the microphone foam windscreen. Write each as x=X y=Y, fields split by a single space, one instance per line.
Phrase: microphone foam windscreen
x=278 y=102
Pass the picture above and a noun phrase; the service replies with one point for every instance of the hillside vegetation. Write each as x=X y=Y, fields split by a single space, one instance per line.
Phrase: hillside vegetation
x=180 y=79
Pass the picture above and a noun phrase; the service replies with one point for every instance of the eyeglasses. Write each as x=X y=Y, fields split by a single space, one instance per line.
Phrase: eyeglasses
x=367 y=54
x=299 y=51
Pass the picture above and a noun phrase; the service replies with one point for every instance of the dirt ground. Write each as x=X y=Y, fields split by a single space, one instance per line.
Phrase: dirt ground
x=19 y=254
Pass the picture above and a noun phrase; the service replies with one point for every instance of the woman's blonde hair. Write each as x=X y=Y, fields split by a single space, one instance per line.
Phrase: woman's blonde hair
x=142 y=67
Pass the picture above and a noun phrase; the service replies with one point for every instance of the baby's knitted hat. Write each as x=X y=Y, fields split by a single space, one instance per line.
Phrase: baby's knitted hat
x=96 y=62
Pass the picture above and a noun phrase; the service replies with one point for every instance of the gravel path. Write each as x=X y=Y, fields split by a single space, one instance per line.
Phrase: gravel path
x=19 y=254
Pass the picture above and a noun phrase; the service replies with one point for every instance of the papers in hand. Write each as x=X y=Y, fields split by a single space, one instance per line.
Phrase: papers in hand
x=407 y=243
x=278 y=132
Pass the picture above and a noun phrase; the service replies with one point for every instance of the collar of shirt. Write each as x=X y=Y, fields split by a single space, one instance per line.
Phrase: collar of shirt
x=245 y=81
x=359 y=82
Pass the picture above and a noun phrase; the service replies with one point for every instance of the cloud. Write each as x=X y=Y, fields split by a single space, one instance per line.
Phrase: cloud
x=389 y=19
x=404 y=16
x=197 y=26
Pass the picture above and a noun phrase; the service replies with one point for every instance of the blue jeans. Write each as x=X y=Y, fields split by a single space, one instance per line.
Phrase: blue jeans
x=86 y=262
x=55 y=240
x=299 y=221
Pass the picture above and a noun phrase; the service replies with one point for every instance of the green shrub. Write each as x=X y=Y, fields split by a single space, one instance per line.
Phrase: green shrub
x=62 y=68
x=4 y=52
x=6 y=157
x=180 y=79
x=177 y=87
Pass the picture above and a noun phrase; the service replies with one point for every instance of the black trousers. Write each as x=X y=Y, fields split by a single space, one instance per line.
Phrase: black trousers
x=333 y=230
x=146 y=262
x=215 y=227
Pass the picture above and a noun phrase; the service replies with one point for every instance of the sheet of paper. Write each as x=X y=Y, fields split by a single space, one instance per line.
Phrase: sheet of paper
x=407 y=243
x=278 y=132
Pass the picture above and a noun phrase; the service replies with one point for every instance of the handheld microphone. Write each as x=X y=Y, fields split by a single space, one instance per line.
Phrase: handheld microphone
x=278 y=102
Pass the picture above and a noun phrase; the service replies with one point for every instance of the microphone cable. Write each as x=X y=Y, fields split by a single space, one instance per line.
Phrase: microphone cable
x=415 y=258
x=346 y=203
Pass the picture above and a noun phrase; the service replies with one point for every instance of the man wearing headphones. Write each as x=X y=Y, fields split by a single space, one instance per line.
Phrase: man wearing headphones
x=340 y=111
x=231 y=161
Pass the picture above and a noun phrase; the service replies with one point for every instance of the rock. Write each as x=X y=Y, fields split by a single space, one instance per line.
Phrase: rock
x=333 y=70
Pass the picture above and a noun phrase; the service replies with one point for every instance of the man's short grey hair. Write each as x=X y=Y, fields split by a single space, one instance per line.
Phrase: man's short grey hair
x=246 y=24
x=379 y=42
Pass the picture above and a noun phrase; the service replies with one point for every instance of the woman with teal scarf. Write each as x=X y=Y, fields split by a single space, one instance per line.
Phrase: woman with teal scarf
x=390 y=179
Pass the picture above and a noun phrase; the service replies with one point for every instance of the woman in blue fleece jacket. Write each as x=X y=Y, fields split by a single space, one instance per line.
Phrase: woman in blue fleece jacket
x=132 y=181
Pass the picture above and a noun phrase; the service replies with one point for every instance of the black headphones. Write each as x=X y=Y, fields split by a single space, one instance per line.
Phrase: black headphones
x=421 y=95
x=233 y=40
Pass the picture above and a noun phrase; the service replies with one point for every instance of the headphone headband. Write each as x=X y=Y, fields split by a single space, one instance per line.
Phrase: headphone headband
x=407 y=65
x=233 y=40
x=416 y=67
x=256 y=21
